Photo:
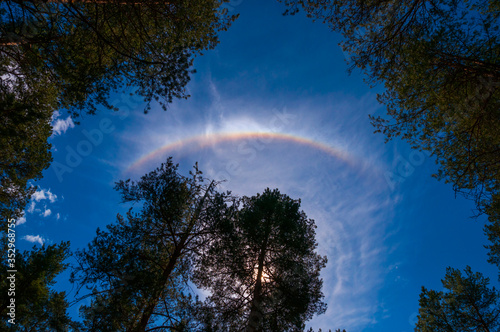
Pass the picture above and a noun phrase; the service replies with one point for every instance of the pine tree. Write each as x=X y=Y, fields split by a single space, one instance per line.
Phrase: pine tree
x=139 y=268
x=262 y=270
x=439 y=62
x=468 y=304
x=38 y=307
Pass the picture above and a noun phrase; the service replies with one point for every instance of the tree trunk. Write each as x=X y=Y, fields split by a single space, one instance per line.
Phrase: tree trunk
x=178 y=252
x=154 y=299
x=255 y=317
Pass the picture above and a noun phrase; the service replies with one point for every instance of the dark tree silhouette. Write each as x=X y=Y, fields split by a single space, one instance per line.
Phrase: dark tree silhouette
x=37 y=306
x=439 y=61
x=24 y=130
x=138 y=269
x=468 y=304
x=262 y=270
x=87 y=49
x=71 y=55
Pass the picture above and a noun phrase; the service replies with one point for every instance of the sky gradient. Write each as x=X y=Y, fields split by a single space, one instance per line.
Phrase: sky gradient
x=273 y=106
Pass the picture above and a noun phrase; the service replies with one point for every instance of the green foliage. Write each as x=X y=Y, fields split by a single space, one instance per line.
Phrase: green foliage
x=72 y=55
x=25 y=117
x=87 y=49
x=468 y=304
x=38 y=307
x=439 y=61
x=139 y=268
x=261 y=268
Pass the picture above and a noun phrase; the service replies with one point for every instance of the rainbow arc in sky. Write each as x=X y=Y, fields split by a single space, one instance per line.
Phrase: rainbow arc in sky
x=207 y=140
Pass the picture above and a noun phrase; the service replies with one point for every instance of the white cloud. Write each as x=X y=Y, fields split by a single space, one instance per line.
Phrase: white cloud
x=44 y=194
x=46 y=213
x=34 y=239
x=38 y=196
x=55 y=115
x=21 y=220
x=31 y=207
x=60 y=126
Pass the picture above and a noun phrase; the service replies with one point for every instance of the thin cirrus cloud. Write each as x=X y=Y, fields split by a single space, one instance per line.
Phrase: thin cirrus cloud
x=60 y=126
x=252 y=145
x=351 y=212
x=256 y=122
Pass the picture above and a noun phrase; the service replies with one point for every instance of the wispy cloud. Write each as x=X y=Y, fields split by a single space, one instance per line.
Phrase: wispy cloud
x=60 y=126
x=31 y=207
x=349 y=201
x=350 y=209
x=34 y=239
x=21 y=220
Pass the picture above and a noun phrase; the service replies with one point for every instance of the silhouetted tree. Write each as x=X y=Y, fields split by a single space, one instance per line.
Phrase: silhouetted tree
x=139 y=268
x=439 y=61
x=25 y=117
x=87 y=49
x=70 y=55
x=468 y=304
x=262 y=270
x=37 y=306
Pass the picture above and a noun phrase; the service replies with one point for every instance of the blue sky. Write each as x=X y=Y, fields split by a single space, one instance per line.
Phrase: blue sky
x=387 y=227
